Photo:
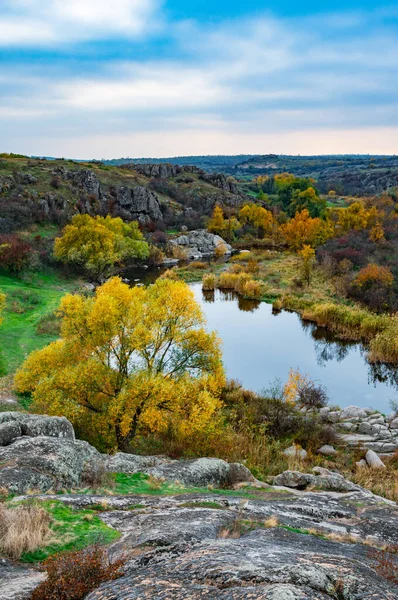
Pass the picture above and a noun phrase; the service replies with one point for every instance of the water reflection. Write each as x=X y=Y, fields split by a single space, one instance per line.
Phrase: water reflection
x=244 y=304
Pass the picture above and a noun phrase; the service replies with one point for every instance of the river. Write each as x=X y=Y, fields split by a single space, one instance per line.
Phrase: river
x=260 y=346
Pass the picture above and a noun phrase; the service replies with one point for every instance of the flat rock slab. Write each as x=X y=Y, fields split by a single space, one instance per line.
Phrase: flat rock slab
x=265 y=564
x=16 y=582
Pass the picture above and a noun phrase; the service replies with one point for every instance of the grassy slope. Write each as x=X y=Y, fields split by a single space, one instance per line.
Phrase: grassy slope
x=18 y=336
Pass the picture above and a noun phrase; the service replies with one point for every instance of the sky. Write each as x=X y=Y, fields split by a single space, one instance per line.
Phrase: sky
x=155 y=78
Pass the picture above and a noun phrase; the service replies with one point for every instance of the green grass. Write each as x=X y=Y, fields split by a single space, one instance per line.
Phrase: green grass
x=72 y=530
x=29 y=300
x=213 y=505
x=140 y=484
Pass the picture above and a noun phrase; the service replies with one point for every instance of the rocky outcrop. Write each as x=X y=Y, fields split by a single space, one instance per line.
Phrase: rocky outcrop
x=305 y=545
x=137 y=203
x=364 y=427
x=226 y=184
x=140 y=203
x=200 y=243
x=161 y=170
x=41 y=453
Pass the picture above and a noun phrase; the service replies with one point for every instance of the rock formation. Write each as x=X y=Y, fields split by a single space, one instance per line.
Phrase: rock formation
x=200 y=243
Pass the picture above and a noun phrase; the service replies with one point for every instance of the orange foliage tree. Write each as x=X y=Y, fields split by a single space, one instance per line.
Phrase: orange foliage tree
x=303 y=229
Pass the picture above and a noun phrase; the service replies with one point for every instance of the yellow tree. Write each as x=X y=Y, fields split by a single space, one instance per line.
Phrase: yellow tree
x=303 y=229
x=99 y=243
x=307 y=255
x=261 y=218
x=217 y=222
x=129 y=360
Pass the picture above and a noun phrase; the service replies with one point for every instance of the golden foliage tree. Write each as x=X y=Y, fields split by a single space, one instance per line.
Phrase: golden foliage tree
x=307 y=255
x=99 y=243
x=220 y=225
x=129 y=360
x=303 y=229
x=261 y=218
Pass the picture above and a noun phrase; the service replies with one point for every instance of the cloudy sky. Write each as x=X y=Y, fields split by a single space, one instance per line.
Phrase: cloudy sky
x=111 y=78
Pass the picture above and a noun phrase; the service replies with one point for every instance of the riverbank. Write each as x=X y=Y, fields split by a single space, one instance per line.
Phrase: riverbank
x=319 y=302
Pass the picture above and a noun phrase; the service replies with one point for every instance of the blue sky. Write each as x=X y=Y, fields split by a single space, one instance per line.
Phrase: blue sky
x=94 y=78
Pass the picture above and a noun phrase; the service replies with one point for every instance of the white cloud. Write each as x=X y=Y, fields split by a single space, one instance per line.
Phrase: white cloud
x=135 y=87
x=46 y=22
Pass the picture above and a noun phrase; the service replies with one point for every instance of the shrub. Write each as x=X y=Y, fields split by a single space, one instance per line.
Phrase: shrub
x=312 y=396
x=252 y=290
x=15 y=253
x=49 y=324
x=236 y=268
x=24 y=528
x=209 y=282
x=73 y=575
x=156 y=256
x=197 y=264
x=170 y=274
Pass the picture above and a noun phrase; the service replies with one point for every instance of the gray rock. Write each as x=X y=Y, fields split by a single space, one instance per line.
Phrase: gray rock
x=9 y=431
x=202 y=472
x=334 y=416
x=17 y=582
x=41 y=463
x=295 y=451
x=374 y=461
x=327 y=451
x=200 y=243
x=352 y=412
x=131 y=463
x=40 y=425
x=394 y=423
x=324 y=480
x=347 y=426
x=140 y=203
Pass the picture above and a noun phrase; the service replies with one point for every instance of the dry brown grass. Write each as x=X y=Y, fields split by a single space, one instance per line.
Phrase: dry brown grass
x=381 y=482
x=209 y=282
x=23 y=529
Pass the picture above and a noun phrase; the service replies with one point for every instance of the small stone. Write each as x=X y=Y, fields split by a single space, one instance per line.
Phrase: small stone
x=296 y=451
x=327 y=451
x=362 y=464
x=374 y=461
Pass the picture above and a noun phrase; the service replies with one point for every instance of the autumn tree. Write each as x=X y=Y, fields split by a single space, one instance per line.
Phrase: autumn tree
x=307 y=199
x=258 y=217
x=373 y=285
x=129 y=360
x=307 y=256
x=303 y=229
x=220 y=225
x=98 y=244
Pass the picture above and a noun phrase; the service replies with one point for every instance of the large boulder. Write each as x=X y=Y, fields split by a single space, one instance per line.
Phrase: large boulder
x=374 y=461
x=9 y=432
x=36 y=425
x=202 y=472
x=321 y=480
x=40 y=463
x=200 y=243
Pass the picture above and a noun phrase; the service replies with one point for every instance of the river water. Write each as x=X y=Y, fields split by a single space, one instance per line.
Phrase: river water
x=260 y=346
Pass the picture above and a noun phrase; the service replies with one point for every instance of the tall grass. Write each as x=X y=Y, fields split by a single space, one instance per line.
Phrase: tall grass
x=352 y=323
x=235 y=280
x=23 y=529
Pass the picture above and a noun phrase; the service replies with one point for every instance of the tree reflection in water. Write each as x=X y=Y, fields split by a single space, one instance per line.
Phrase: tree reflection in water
x=228 y=296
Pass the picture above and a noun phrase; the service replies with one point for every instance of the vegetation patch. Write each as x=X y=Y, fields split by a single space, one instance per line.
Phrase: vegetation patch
x=69 y=529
